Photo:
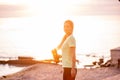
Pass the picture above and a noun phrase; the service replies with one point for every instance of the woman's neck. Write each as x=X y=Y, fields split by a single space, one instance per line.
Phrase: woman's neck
x=67 y=34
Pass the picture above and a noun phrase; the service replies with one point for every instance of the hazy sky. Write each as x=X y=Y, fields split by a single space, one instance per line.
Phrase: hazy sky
x=97 y=7
x=28 y=25
x=13 y=8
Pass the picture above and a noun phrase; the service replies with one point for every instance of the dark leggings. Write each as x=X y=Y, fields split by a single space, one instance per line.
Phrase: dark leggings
x=67 y=74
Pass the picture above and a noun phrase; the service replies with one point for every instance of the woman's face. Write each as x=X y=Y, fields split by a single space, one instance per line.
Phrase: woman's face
x=68 y=28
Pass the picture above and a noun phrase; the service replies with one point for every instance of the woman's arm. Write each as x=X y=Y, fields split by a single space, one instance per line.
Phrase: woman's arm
x=60 y=45
x=73 y=55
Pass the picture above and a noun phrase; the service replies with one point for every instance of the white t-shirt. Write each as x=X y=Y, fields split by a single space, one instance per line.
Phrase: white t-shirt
x=66 y=56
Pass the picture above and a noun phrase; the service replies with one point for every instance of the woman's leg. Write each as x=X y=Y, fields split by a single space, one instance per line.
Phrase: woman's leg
x=73 y=78
x=67 y=74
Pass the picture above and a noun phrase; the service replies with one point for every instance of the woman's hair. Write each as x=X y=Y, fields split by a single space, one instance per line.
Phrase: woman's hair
x=70 y=22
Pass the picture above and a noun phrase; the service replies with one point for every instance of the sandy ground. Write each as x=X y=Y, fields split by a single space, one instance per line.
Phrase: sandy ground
x=45 y=71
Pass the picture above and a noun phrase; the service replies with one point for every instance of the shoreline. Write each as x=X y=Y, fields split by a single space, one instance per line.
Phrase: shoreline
x=48 y=71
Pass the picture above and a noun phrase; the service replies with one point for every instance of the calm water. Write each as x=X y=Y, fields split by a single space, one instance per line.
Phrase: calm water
x=19 y=37
x=9 y=69
x=6 y=69
x=94 y=34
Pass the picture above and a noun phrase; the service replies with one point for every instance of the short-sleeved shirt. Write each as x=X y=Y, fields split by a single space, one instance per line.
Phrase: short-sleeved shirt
x=66 y=56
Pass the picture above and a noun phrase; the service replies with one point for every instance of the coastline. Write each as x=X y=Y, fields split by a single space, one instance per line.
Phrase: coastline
x=48 y=71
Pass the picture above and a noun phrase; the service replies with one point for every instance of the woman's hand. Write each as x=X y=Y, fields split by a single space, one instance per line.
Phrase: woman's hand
x=73 y=72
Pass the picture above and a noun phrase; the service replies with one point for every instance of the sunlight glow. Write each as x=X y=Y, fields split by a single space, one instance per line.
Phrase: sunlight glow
x=39 y=33
x=30 y=37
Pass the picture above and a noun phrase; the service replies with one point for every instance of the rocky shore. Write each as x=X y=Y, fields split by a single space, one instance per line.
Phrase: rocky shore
x=47 y=71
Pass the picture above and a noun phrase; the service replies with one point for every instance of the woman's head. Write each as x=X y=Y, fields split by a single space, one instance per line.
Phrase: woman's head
x=68 y=27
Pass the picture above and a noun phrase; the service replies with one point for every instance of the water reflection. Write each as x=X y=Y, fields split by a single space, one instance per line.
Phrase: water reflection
x=9 y=69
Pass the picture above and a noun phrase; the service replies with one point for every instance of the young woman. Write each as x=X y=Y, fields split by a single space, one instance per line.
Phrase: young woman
x=68 y=48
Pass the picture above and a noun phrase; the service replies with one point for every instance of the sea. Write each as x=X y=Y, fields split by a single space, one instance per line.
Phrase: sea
x=6 y=69
x=88 y=59
x=95 y=37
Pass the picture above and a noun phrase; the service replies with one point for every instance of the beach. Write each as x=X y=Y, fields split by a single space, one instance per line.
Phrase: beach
x=48 y=71
x=35 y=27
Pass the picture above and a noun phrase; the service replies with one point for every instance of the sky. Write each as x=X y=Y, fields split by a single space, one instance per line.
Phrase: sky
x=73 y=7
x=33 y=27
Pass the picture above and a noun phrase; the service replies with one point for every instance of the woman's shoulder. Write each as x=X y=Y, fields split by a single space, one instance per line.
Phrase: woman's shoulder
x=72 y=36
